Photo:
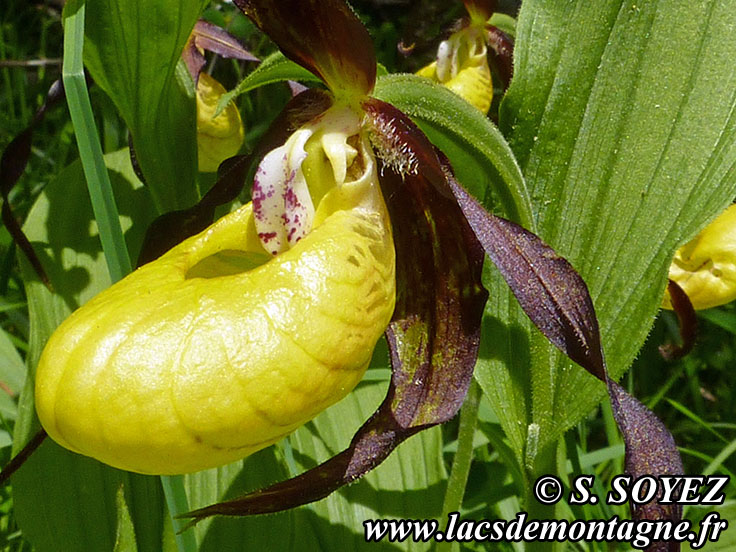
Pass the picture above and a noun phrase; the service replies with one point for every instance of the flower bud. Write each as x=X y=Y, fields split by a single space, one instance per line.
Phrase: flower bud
x=220 y=348
x=705 y=267
x=462 y=66
x=218 y=138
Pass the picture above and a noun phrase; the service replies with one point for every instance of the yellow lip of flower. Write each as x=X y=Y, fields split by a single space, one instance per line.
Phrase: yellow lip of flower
x=705 y=268
x=218 y=349
x=218 y=138
x=462 y=66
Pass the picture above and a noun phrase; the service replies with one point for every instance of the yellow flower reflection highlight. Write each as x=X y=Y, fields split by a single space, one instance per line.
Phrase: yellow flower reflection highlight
x=218 y=138
x=220 y=348
x=705 y=268
x=462 y=66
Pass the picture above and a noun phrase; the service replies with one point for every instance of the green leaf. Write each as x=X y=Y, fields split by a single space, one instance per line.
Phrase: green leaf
x=63 y=501
x=125 y=538
x=720 y=317
x=623 y=120
x=727 y=511
x=480 y=156
x=132 y=51
x=90 y=149
x=409 y=484
x=12 y=376
x=275 y=68
x=12 y=367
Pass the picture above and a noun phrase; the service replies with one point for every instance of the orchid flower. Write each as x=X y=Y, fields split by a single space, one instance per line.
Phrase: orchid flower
x=705 y=267
x=702 y=276
x=241 y=333
x=219 y=135
x=462 y=59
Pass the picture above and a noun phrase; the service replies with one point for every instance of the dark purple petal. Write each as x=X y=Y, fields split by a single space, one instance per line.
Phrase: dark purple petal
x=501 y=53
x=556 y=299
x=433 y=337
x=650 y=450
x=174 y=227
x=480 y=10
x=402 y=146
x=14 y=159
x=548 y=288
x=24 y=454
x=324 y=36
x=687 y=319
x=193 y=58
x=208 y=36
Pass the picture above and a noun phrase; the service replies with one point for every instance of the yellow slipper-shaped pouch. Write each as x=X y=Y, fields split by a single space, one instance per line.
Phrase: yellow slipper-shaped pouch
x=219 y=348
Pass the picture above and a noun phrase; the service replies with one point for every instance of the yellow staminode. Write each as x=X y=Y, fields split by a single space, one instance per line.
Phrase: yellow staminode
x=219 y=348
x=462 y=66
x=218 y=138
x=705 y=268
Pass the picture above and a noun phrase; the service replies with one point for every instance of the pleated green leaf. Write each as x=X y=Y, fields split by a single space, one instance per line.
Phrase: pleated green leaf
x=63 y=501
x=132 y=51
x=623 y=119
x=12 y=375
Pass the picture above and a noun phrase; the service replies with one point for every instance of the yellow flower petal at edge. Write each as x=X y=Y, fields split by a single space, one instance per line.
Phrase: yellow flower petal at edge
x=462 y=66
x=705 y=268
x=217 y=349
x=220 y=137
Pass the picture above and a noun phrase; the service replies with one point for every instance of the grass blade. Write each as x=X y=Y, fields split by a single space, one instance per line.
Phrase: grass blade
x=90 y=150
